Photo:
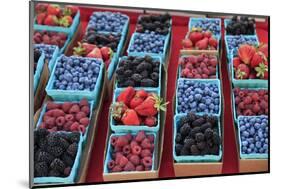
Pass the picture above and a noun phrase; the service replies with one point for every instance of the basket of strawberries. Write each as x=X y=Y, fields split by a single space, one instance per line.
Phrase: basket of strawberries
x=250 y=66
x=135 y=110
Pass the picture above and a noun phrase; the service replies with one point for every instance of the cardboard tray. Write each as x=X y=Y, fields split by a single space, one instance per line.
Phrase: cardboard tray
x=202 y=168
x=159 y=145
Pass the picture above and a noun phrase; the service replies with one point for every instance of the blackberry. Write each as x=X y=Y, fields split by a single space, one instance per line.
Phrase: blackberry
x=188 y=142
x=54 y=173
x=210 y=143
x=136 y=77
x=55 y=150
x=63 y=143
x=156 y=69
x=72 y=149
x=129 y=83
x=185 y=129
x=144 y=74
x=67 y=159
x=216 y=138
x=148 y=58
x=41 y=133
x=201 y=145
x=141 y=67
x=205 y=126
x=194 y=131
x=154 y=76
x=199 y=137
x=128 y=73
x=41 y=169
x=148 y=83
x=44 y=157
x=198 y=122
x=43 y=144
x=184 y=151
x=214 y=150
x=213 y=120
x=191 y=116
x=178 y=148
x=208 y=133
x=178 y=138
x=57 y=165
x=53 y=139
x=120 y=71
x=183 y=120
x=194 y=150
x=74 y=137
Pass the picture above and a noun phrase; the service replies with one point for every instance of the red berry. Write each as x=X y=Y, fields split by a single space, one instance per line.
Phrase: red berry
x=74 y=126
x=69 y=117
x=247 y=100
x=85 y=121
x=135 y=159
x=74 y=109
x=111 y=164
x=136 y=150
x=117 y=168
x=256 y=108
x=133 y=143
x=241 y=105
x=126 y=149
x=147 y=161
x=140 y=168
x=82 y=129
x=123 y=161
x=121 y=141
x=151 y=138
x=52 y=105
x=66 y=106
x=60 y=121
x=113 y=140
x=80 y=115
x=140 y=136
x=237 y=100
x=248 y=112
x=145 y=153
x=129 y=167
x=145 y=144
x=84 y=102
x=129 y=136
x=85 y=109
x=255 y=96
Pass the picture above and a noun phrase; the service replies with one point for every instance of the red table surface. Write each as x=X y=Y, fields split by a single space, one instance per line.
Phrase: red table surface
x=179 y=29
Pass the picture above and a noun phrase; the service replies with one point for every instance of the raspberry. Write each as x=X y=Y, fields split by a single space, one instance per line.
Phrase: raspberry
x=74 y=109
x=121 y=141
x=69 y=117
x=248 y=112
x=82 y=129
x=123 y=161
x=145 y=143
x=265 y=98
x=247 y=100
x=67 y=171
x=51 y=121
x=151 y=138
x=85 y=121
x=206 y=71
x=266 y=111
x=46 y=117
x=256 y=108
x=133 y=143
x=135 y=159
x=129 y=136
x=255 y=96
x=113 y=140
x=140 y=136
x=117 y=168
x=80 y=115
x=60 y=121
x=241 y=94
x=111 y=164
x=58 y=112
x=145 y=153
x=126 y=149
x=136 y=150
x=129 y=167
x=118 y=156
x=66 y=126
x=263 y=104
x=262 y=92
x=54 y=129
x=147 y=162
x=139 y=168
x=52 y=105
x=84 y=102
x=241 y=105
x=85 y=109
x=66 y=106
x=128 y=156
x=74 y=126
x=117 y=149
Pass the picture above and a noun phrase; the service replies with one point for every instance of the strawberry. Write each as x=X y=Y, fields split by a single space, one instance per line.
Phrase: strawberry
x=202 y=44
x=150 y=121
x=135 y=102
x=213 y=42
x=262 y=70
x=195 y=35
x=246 y=52
x=51 y=20
x=264 y=49
x=70 y=10
x=187 y=43
x=257 y=59
x=151 y=106
x=236 y=62
x=107 y=53
x=117 y=110
x=53 y=10
x=207 y=34
x=141 y=94
x=41 y=7
x=130 y=117
x=95 y=53
x=40 y=18
x=126 y=95
x=65 y=21
x=242 y=72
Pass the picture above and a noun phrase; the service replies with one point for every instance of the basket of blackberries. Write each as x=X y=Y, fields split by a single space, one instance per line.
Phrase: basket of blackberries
x=240 y=26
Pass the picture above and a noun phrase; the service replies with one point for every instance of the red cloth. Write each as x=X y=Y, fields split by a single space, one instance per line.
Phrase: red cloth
x=179 y=29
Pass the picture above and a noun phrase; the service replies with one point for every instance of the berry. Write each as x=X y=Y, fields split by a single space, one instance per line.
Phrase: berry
x=57 y=165
x=121 y=141
x=41 y=169
x=135 y=159
x=147 y=162
x=72 y=149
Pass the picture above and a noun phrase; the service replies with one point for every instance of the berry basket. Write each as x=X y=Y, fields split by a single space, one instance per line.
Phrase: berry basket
x=194 y=158
x=210 y=81
x=84 y=137
x=194 y=21
x=226 y=21
x=132 y=128
x=163 y=55
x=39 y=69
x=72 y=176
x=246 y=83
x=109 y=150
x=125 y=26
x=55 y=53
x=233 y=101
x=253 y=155
x=75 y=95
x=179 y=70
x=155 y=58
x=248 y=39
x=70 y=30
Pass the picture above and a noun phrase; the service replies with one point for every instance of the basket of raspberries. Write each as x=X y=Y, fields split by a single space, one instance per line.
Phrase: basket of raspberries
x=197 y=39
x=197 y=138
x=202 y=66
x=54 y=17
x=66 y=116
x=130 y=153
x=250 y=66
x=135 y=110
x=56 y=156
x=250 y=102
